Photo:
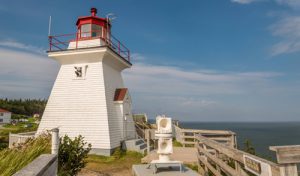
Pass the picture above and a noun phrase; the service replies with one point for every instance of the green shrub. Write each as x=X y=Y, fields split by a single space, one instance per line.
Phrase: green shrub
x=192 y=166
x=118 y=153
x=248 y=147
x=176 y=143
x=71 y=155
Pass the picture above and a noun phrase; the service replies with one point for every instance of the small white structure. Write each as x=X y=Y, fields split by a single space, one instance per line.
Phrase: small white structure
x=5 y=116
x=36 y=115
x=88 y=97
x=165 y=146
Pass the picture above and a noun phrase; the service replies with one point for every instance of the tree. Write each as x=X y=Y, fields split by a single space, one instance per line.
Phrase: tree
x=71 y=155
x=26 y=107
x=248 y=147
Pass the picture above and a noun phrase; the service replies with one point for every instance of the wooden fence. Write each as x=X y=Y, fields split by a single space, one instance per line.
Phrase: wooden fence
x=220 y=159
x=146 y=132
x=15 y=139
x=188 y=137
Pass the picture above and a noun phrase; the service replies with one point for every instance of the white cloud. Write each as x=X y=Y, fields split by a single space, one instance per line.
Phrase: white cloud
x=25 y=75
x=291 y=3
x=288 y=29
x=173 y=80
x=18 y=45
x=136 y=57
x=244 y=1
x=181 y=93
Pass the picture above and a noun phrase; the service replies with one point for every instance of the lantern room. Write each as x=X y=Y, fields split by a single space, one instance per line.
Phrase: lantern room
x=93 y=26
x=92 y=32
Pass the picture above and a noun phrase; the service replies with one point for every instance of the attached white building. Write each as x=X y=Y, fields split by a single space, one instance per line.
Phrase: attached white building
x=88 y=97
x=5 y=116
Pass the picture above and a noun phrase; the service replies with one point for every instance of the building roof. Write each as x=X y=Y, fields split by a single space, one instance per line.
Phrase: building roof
x=3 y=110
x=120 y=94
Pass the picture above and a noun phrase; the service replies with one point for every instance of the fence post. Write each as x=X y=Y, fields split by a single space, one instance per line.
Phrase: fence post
x=50 y=43
x=205 y=167
x=217 y=166
x=287 y=158
x=55 y=141
x=148 y=135
x=119 y=47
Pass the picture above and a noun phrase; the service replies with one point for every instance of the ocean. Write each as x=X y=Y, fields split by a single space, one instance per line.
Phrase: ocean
x=261 y=134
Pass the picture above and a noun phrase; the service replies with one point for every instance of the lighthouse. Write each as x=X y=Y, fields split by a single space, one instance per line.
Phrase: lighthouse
x=88 y=97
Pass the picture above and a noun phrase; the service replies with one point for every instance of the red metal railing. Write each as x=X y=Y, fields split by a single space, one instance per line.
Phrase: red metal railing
x=76 y=41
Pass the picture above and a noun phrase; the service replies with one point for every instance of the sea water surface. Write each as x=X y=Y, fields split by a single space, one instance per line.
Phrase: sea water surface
x=261 y=134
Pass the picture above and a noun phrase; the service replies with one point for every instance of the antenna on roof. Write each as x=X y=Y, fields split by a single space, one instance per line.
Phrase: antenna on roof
x=110 y=16
x=49 y=30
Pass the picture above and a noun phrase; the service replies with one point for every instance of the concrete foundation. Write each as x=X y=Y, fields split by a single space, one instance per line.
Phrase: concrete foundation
x=145 y=170
x=44 y=165
x=104 y=152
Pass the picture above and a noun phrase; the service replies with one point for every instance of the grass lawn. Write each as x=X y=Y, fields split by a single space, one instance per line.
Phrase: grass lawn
x=176 y=143
x=118 y=164
x=12 y=160
x=19 y=128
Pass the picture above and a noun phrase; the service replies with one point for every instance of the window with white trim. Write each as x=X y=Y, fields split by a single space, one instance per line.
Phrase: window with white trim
x=85 y=30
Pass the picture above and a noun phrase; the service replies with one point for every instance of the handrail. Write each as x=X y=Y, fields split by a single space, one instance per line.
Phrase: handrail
x=235 y=154
x=140 y=132
x=62 y=42
x=188 y=137
x=215 y=157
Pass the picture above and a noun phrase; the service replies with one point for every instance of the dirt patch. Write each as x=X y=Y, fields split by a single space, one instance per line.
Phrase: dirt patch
x=111 y=172
x=116 y=165
x=86 y=172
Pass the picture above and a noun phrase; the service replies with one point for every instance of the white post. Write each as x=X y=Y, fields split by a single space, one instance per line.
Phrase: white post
x=287 y=157
x=55 y=141
x=148 y=136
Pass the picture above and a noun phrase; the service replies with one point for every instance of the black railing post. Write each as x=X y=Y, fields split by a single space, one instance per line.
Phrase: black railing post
x=50 y=42
x=128 y=55
x=119 y=47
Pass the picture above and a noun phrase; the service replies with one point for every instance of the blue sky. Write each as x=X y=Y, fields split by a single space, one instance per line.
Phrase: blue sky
x=208 y=60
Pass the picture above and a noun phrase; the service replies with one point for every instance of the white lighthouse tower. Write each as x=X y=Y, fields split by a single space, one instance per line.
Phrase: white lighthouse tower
x=88 y=97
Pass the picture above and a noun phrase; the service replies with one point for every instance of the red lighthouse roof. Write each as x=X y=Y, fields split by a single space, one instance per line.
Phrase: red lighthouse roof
x=93 y=18
x=93 y=26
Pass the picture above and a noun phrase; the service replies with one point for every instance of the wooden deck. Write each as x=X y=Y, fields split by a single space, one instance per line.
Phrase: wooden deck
x=188 y=155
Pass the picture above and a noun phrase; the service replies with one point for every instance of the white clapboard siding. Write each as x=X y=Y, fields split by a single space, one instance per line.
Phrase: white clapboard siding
x=112 y=80
x=78 y=106
x=5 y=116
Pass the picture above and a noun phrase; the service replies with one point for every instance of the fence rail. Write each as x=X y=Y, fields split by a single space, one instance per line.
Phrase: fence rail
x=220 y=159
x=188 y=137
x=92 y=39
x=15 y=139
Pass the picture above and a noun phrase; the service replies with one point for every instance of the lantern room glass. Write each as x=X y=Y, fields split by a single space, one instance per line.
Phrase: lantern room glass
x=96 y=30
x=85 y=30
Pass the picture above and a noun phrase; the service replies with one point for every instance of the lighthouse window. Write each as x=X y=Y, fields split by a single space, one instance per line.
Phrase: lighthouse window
x=96 y=30
x=78 y=72
x=85 y=30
